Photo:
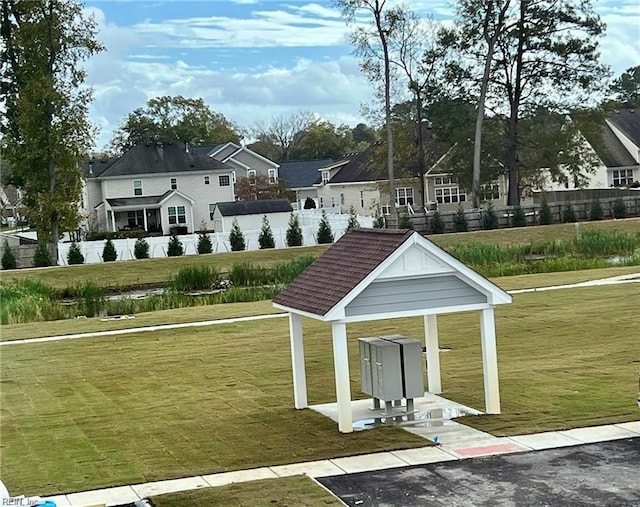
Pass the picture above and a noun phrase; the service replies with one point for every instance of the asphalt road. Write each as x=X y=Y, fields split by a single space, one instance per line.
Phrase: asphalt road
x=603 y=474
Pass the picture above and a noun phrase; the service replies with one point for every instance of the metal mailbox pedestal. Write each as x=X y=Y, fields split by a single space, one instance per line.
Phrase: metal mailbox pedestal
x=391 y=369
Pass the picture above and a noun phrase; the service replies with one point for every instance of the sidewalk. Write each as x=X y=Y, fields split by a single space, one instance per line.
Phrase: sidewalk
x=455 y=441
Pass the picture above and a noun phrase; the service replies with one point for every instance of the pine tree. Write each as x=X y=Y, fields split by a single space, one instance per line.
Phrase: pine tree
x=353 y=220
x=436 y=224
x=596 y=212
x=236 y=238
x=265 y=239
x=294 y=232
x=568 y=214
x=518 y=219
x=204 y=240
x=545 y=217
x=74 y=256
x=460 y=223
x=324 y=230
x=489 y=218
x=378 y=219
x=141 y=249
x=620 y=209
x=175 y=248
x=42 y=257
x=405 y=222
x=109 y=253
x=8 y=257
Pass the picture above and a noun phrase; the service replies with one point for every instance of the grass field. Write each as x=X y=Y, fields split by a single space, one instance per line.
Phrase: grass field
x=96 y=412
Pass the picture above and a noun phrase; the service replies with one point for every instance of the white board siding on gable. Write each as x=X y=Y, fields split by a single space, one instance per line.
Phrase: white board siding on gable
x=414 y=294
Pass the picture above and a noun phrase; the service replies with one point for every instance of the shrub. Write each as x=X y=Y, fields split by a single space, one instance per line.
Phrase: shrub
x=141 y=249
x=204 y=240
x=324 y=230
x=518 y=219
x=620 y=209
x=42 y=257
x=568 y=214
x=196 y=278
x=353 y=220
x=489 y=218
x=436 y=224
x=175 y=248
x=102 y=235
x=378 y=219
x=8 y=257
x=265 y=239
x=596 y=212
x=74 y=256
x=404 y=222
x=545 y=217
x=460 y=223
x=109 y=253
x=236 y=238
x=294 y=232
x=309 y=203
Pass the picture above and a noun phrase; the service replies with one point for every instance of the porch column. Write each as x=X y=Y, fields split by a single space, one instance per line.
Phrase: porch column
x=343 y=386
x=193 y=226
x=113 y=221
x=297 y=361
x=434 y=378
x=490 y=362
x=146 y=225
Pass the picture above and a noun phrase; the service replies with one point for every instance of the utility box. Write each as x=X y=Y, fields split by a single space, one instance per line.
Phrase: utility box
x=410 y=364
x=381 y=372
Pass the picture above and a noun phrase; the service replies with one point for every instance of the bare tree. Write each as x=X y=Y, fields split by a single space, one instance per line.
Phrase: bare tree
x=284 y=132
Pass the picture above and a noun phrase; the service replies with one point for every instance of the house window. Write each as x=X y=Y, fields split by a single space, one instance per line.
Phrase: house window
x=362 y=198
x=386 y=210
x=251 y=174
x=404 y=196
x=212 y=210
x=224 y=180
x=174 y=183
x=135 y=218
x=342 y=199
x=321 y=202
x=272 y=176
x=137 y=187
x=490 y=192
x=443 y=180
x=622 y=177
x=450 y=191
x=207 y=180
x=177 y=215
x=333 y=202
x=325 y=177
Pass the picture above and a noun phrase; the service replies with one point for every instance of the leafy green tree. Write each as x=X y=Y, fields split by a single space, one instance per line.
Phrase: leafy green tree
x=74 y=255
x=353 y=220
x=460 y=223
x=204 y=240
x=596 y=212
x=489 y=218
x=8 y=257
x=321 y=140
x=109 y=253
x=436 y=223
x=141 y=249
x=324 y=230
x=175 y=247
x=569 y=214
x=294 y=231
x=545 y=216
x=620 y=209
x=45 y=124
x=518 y=218
x=378 y=219
x=626 y=88
x=236 y=237
x=265 y=238
x=174 y=118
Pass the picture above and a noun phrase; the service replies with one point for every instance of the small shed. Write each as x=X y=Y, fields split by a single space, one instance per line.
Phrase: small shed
x=374 y=274
x=249 y=214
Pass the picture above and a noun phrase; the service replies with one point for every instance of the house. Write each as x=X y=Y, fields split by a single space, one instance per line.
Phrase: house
x=155 y=186
x=249 y=214
x=300 y=177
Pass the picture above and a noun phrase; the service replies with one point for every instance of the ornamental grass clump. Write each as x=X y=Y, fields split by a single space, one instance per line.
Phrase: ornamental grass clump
x=197 y=277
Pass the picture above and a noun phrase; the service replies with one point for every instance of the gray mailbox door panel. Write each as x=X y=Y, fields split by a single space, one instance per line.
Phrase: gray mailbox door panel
x=411 y=355
x=386 y=370
x=365 y=365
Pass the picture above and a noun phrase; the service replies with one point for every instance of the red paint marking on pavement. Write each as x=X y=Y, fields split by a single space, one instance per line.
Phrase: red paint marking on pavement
x=488 y=449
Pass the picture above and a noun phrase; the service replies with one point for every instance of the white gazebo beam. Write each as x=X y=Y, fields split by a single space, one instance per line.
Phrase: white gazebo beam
x=433 y=354
x=343 y=385
x=490 y=361
x=297 y=361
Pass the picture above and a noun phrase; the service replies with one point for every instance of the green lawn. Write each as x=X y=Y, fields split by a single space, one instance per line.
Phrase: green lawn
x=96 y=412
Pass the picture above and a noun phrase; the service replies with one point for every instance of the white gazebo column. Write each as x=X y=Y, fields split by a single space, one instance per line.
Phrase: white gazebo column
x=343 y=386
x=433 y=354
x=297 y=361
x=490 y=362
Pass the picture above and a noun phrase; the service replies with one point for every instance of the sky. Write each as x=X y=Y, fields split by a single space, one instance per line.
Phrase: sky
x=253 y=60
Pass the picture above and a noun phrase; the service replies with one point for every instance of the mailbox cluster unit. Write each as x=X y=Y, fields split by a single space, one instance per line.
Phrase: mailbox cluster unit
x=391 y=369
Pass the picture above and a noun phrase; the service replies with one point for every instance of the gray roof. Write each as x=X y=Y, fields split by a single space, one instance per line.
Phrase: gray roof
x=138 y=201
x=159 y=157
x=207 y=149
x=628 y=121
x=360 y=167
x=303 y=173
x=260 y=207
x=615 y=154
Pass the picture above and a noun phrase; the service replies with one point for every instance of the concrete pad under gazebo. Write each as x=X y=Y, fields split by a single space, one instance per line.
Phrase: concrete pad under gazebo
x=374 y=274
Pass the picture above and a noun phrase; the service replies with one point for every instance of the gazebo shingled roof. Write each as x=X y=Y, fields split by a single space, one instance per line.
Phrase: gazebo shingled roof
x=343 y=266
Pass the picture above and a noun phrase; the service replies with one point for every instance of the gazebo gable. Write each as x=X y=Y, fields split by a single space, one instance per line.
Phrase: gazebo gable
x=418 y=277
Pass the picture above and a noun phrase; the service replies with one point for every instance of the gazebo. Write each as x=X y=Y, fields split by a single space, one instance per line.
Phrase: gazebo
x=374 y=274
